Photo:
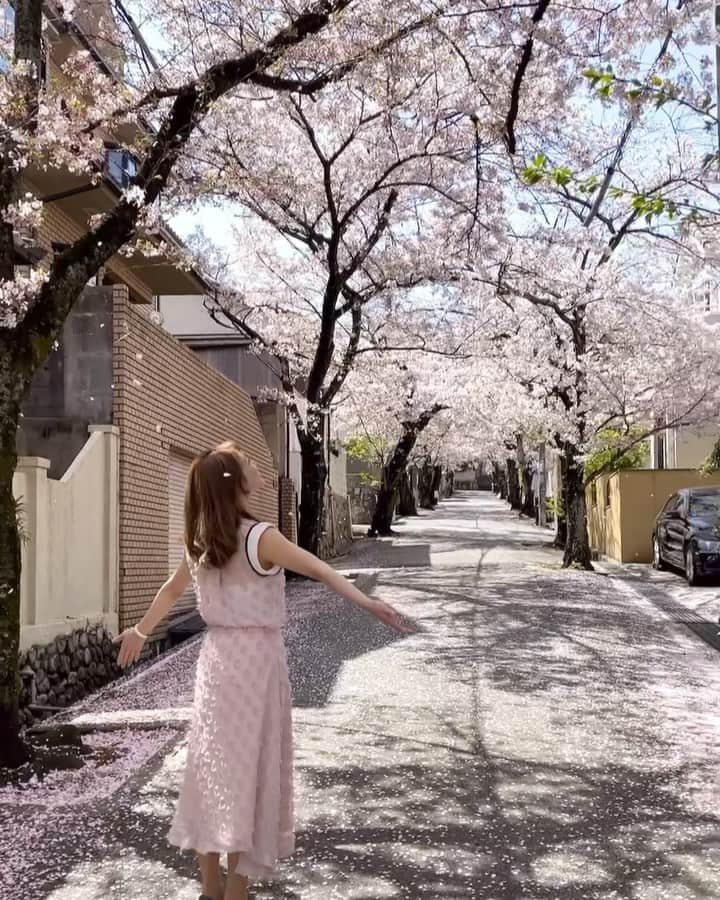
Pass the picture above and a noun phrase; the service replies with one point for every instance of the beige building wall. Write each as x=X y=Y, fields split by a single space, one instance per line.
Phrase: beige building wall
x=622 y=508
x=604 y=516
x=691 y=447
x=70 y=548
x=168 y=403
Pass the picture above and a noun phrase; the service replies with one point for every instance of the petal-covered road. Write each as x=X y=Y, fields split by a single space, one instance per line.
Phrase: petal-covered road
x=546 y=735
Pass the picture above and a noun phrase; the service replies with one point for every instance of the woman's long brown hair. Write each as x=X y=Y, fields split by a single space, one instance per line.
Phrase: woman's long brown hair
x=215 y=502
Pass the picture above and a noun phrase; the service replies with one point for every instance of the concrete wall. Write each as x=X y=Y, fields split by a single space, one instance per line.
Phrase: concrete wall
x=70 y=553
x=337 y=537
x=338 y=473
x=622 y=528
x=185 y=315
x=273 y=421
x=74 y=387
x=295 y=463
x=691 y=447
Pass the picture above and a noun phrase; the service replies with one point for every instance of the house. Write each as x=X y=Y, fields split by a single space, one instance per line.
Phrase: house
x=683 y=446
x=474 y=478
x=622 y=508
x=198 y=322
x=110 y=427
x=688 y=445
x=229 y=351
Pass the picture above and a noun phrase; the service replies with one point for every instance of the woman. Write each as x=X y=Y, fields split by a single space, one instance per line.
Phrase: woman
x=236 y=797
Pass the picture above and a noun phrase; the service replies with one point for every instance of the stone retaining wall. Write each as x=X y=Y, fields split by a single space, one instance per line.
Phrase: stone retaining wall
x=60 y=673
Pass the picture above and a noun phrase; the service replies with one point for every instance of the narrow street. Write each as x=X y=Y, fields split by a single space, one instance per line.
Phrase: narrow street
x=546 y=735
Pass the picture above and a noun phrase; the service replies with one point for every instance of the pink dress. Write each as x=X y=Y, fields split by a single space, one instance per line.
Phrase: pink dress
x=236 y=795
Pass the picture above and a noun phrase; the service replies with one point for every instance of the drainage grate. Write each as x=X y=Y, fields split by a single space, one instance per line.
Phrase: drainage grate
x=703 y=628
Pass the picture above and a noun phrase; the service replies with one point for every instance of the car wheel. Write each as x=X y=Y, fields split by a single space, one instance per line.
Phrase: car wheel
x=658 y=562
x=690 y=567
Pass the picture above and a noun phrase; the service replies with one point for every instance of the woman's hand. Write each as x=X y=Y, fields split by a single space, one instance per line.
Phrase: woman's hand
x=131 y=647
x=387 y=615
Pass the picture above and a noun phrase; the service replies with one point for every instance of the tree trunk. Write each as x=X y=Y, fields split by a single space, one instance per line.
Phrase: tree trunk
x=425 y=485
x=395 y=470
x=436 y=485
x=527 y=506
x=407 y=505
x=384 y=514
x=528 y=500
x=500 y=479
x=577 y=543
x=12 y=750
x=314 y=481
x=513 y=484
x=542 y=484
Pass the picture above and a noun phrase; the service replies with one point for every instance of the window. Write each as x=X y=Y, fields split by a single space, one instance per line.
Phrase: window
x=660 y=451
x=705 y=506
x=607 y=491
x=121 y=167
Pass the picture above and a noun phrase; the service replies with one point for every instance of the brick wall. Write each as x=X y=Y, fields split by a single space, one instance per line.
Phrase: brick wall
x=59 y=226
x=288 y=509
x=167 y=400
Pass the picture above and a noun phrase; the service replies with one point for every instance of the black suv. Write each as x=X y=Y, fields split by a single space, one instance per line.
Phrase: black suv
x=687 y=533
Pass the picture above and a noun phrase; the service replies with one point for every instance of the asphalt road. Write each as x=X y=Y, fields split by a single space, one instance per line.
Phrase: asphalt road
x=545 y=735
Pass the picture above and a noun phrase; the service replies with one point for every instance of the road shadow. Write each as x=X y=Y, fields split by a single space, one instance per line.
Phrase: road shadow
x=320 y=644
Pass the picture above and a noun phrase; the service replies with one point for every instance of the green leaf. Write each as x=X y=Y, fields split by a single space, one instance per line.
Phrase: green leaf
x=562 y=176
x=656 y=81
x=531 y=175
x=540 y=161
x=633 y=94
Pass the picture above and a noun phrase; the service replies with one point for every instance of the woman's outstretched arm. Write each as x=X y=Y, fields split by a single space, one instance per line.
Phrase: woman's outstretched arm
x=132 y=640
x=276 y=550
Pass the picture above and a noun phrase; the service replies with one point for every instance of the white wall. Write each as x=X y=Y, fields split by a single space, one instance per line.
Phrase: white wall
x=70 y=554
x=692 y=446
x=185 y=315
x=295 y=464
x=685 y=447
x=338 y=473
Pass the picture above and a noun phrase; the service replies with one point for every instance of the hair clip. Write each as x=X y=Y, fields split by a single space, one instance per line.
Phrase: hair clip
x=227 y=474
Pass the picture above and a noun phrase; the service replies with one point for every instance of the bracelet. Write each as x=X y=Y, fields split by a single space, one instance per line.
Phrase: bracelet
x=139 y=633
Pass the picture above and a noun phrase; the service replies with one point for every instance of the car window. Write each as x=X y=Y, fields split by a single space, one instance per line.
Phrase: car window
x=705 y=506
x=672 y=504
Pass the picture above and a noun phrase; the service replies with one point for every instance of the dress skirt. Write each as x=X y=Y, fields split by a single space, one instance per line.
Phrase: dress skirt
x=236 y=795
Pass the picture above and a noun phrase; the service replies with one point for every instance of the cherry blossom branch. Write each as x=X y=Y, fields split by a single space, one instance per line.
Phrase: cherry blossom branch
x=525 y=57
x=73 y=268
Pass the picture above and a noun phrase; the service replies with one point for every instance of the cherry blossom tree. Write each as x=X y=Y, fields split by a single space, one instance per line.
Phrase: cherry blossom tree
x=628 y=167
x=649 y=360
x=373 y=186
x=238 y=59
x=367 y=219
x=412 y=396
